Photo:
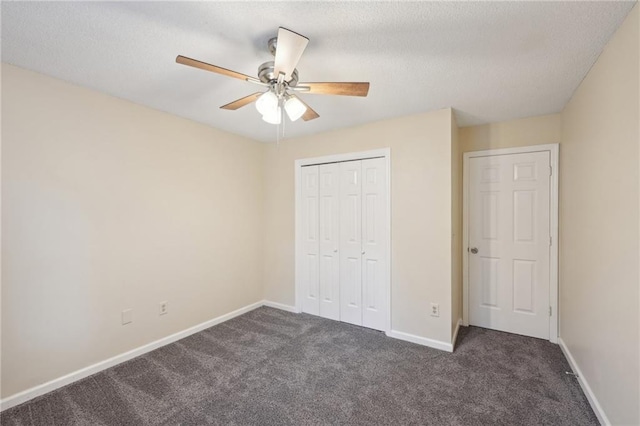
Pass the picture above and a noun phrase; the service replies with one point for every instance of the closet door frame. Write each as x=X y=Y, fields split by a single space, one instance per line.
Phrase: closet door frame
x=363 y=155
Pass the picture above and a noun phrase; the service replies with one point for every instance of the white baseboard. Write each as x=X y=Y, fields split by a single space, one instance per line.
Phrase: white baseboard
x=455 y=334
x=432 y=343
x=593 y=401
x=24 y=396
x=280 y=306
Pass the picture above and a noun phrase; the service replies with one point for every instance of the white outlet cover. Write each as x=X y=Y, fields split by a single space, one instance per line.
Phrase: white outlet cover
x=164 y=308
x=435 y=310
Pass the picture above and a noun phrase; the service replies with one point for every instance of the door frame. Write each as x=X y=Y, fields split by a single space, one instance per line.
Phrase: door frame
x=337 y=158
x=553 y=150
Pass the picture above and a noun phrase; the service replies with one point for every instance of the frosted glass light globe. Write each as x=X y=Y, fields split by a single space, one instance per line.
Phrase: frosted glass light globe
x=273 y=117
x=294 y=108
x=267 y=103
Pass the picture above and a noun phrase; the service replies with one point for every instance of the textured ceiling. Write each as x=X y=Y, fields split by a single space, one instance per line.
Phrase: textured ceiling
x=491 y=61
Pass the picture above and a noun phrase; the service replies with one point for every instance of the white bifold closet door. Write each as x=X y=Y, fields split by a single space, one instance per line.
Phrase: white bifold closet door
x=344 y=242
x=329 y=222
x=374 y=244
x=309 y=241
x=351 y=242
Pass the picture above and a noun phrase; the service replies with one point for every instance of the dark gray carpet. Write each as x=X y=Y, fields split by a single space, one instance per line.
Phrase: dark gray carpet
x=270 y=367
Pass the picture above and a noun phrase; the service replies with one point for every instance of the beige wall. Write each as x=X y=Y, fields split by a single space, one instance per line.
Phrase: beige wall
x=456 y=230
x=513 y=133
x=107 y=205
x=599 y=213
x=420 y=209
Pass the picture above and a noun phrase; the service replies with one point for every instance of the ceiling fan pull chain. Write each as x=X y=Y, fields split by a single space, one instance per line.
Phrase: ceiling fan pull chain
x=278 y=127
x=282 y=119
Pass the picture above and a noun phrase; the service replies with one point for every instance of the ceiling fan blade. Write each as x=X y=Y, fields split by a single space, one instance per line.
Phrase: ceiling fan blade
x=239 y=103
x=208 y=67
x=289 y=49
x=309 y=114
x=344 y=89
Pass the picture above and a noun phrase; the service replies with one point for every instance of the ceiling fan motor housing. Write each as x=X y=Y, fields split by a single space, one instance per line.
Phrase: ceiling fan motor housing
x=267 y=75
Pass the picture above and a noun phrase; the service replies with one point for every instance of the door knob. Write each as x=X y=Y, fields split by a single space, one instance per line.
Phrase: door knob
x=362 y=252
x=335 y=250
x=474 y=250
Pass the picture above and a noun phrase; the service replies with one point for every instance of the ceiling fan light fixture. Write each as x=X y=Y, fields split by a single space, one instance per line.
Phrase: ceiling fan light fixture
x=273 y=116
x=267 y=103
x=279 y=76
x=294 y=108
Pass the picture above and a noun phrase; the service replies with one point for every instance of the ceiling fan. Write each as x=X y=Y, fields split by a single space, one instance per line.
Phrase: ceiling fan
x=280 y=77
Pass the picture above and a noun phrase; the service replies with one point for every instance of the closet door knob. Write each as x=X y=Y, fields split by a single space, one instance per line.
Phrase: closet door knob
x=363 y=253
x=335 y=250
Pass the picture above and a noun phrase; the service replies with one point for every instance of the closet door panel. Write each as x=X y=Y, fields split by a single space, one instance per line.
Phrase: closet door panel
x=350 y=242
x=329 y=214
x=310 y=262
x=374 y=243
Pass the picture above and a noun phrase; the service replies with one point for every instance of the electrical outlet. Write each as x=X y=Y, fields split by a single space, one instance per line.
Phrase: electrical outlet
x=435 y=310
x=127 y=316
x=164 y=308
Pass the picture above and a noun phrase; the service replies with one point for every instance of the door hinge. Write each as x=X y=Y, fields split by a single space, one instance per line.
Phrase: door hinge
x=550 y=241
x=549 y=310
x=550 y=170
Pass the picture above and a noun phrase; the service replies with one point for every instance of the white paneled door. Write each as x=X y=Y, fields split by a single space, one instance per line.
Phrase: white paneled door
x=374 y=243
x=329 y=215
x=344 y=241
x=351 y=242
x=509 y=243
x=309 y=240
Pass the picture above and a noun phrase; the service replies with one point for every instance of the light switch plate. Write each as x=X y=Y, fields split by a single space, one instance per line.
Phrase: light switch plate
x=127 y=316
